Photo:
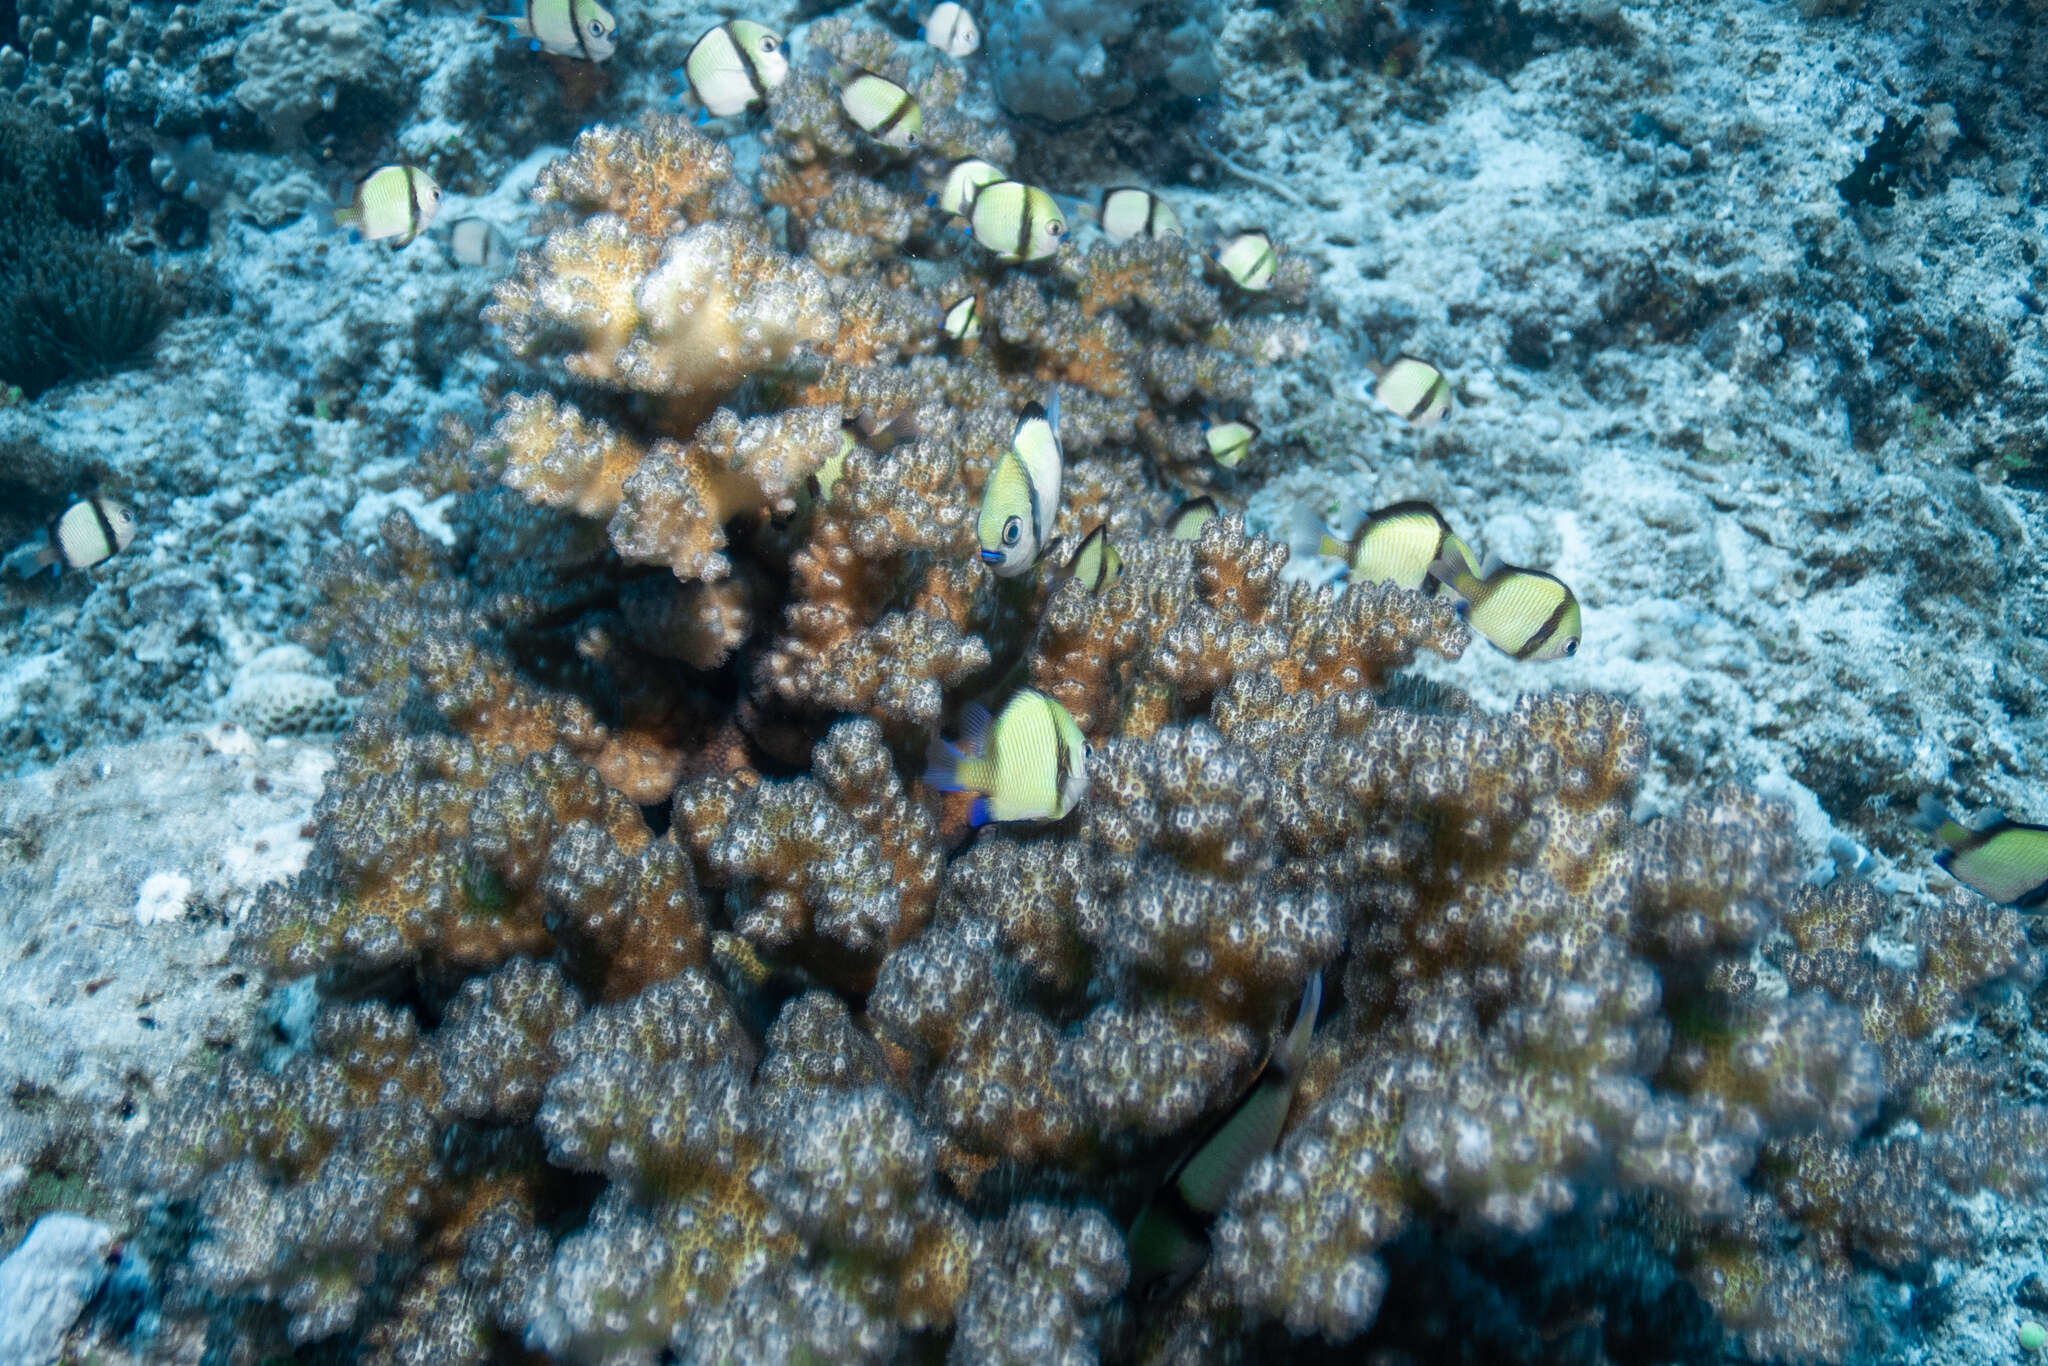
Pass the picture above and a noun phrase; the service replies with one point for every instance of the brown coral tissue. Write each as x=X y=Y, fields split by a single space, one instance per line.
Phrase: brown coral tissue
x=660 y=1011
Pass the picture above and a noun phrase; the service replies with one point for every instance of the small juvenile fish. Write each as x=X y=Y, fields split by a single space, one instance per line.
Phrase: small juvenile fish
x=582 y=29
x=820 y=481
x=1190 y=517
x=1169 y=1240
x=1397 y=544
x=963 y=318
x=1229 y=442
x=1415 y=389
x=2006 y=861
x=477 y=242
x=956 y=193
x=1096 y=563
x=1249 y=259
x=1022 y=500
x=884 y=110
x=1029 y=764
x=1017 y=222
x=1128 y=211
x=87 y=533
x=733 y=65
x=1524 y=612
x=952 y=30
x=392 y=201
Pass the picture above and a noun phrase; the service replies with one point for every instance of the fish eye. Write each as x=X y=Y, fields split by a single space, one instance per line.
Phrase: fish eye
x=1013 y=531
x=768 y=44
x=1056 y=227
x=1571 y=647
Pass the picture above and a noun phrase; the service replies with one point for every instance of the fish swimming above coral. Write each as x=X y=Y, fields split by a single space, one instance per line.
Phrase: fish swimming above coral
x=1414 y=388
x=581 y=29
x=397 y=202
x=732 y=66
x=1096 y=563
x=1030 y=763
x=89 y=532
x=1229 y=442
x=1017 y=222
x=1190 y=517
x=952 y=30
x=963 y=318
x=477 y=242
x=964 y=180
x=884 y=110
x=1169 y=1240
x=1249 y=260
x=1395 y=544
x=1022 y=499
x=1129 y=211
x=1523 y=612
x=2003 y=860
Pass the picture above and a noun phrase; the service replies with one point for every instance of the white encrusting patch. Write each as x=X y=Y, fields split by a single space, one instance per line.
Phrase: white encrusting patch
x=162 y=898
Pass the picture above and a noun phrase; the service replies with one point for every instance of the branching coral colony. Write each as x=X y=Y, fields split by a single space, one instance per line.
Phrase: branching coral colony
x=661 y=1012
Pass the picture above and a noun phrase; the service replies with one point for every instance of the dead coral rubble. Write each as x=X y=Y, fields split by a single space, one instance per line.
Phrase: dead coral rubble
x=664 y=1010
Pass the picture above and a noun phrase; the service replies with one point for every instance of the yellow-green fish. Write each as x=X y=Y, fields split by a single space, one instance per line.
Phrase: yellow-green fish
x=1128 y=211
x=963 y=181
x=1397 y=544
x=582 y=29
x=733 y=65
x=884 y=110
x=1096 y=563
x=1190 y=517
x=1169 y=1240
x=1249 y=259
x=951 y=29
x=2005 y=861
x=1524 y=612
x=1415 y=389
x=1229 y=442
x=820 y=481
x=1022 y=499
x=1017 y=222
x=392 y=201
x=88 y=532
x=963 y=318
x=1029 y=764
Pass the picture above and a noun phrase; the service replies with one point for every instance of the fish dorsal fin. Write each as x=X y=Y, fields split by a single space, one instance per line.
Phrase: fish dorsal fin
x=975 y=721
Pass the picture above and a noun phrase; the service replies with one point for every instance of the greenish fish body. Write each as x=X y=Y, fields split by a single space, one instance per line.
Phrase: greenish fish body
x=1229 y=442
x=1129 y=211
x=1096 y=563
x=87 y=533
x=1190 y=517
x=1017 y=222
x=884 y=110
x=1397 y=544
x=1030 y=763
x=1249 y=260
x=963 y=318
x=581 y=29
x=733 y=65
x=1169 y=1240
x=1523 y=612
x=392 y=202
x=2006 y=861
x=963 y=181
x=1022 y=499
x=1415 y=389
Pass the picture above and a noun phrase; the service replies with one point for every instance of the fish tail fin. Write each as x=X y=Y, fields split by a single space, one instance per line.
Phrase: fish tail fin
x=1934 y=818
x=515 y=22
x=346 y=218
x=26 y=559
x=1489 y=563
x=1293 y=1050
x=942 y=765
x=703 y=116
x=1309 y=534
x=1454 y=574
x=1331 y=546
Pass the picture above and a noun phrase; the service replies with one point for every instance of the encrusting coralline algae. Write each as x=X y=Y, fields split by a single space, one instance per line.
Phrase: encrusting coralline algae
x=660 y=1012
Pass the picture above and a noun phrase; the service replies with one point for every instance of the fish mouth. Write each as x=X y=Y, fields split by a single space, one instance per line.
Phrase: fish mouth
x=991 y=557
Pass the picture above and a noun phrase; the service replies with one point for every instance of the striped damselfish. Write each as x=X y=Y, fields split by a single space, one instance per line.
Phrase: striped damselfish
x=1022 y=499
x=1030 y=763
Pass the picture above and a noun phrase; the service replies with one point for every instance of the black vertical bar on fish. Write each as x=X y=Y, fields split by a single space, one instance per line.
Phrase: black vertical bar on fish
x=99 y=514
x=576 y=25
